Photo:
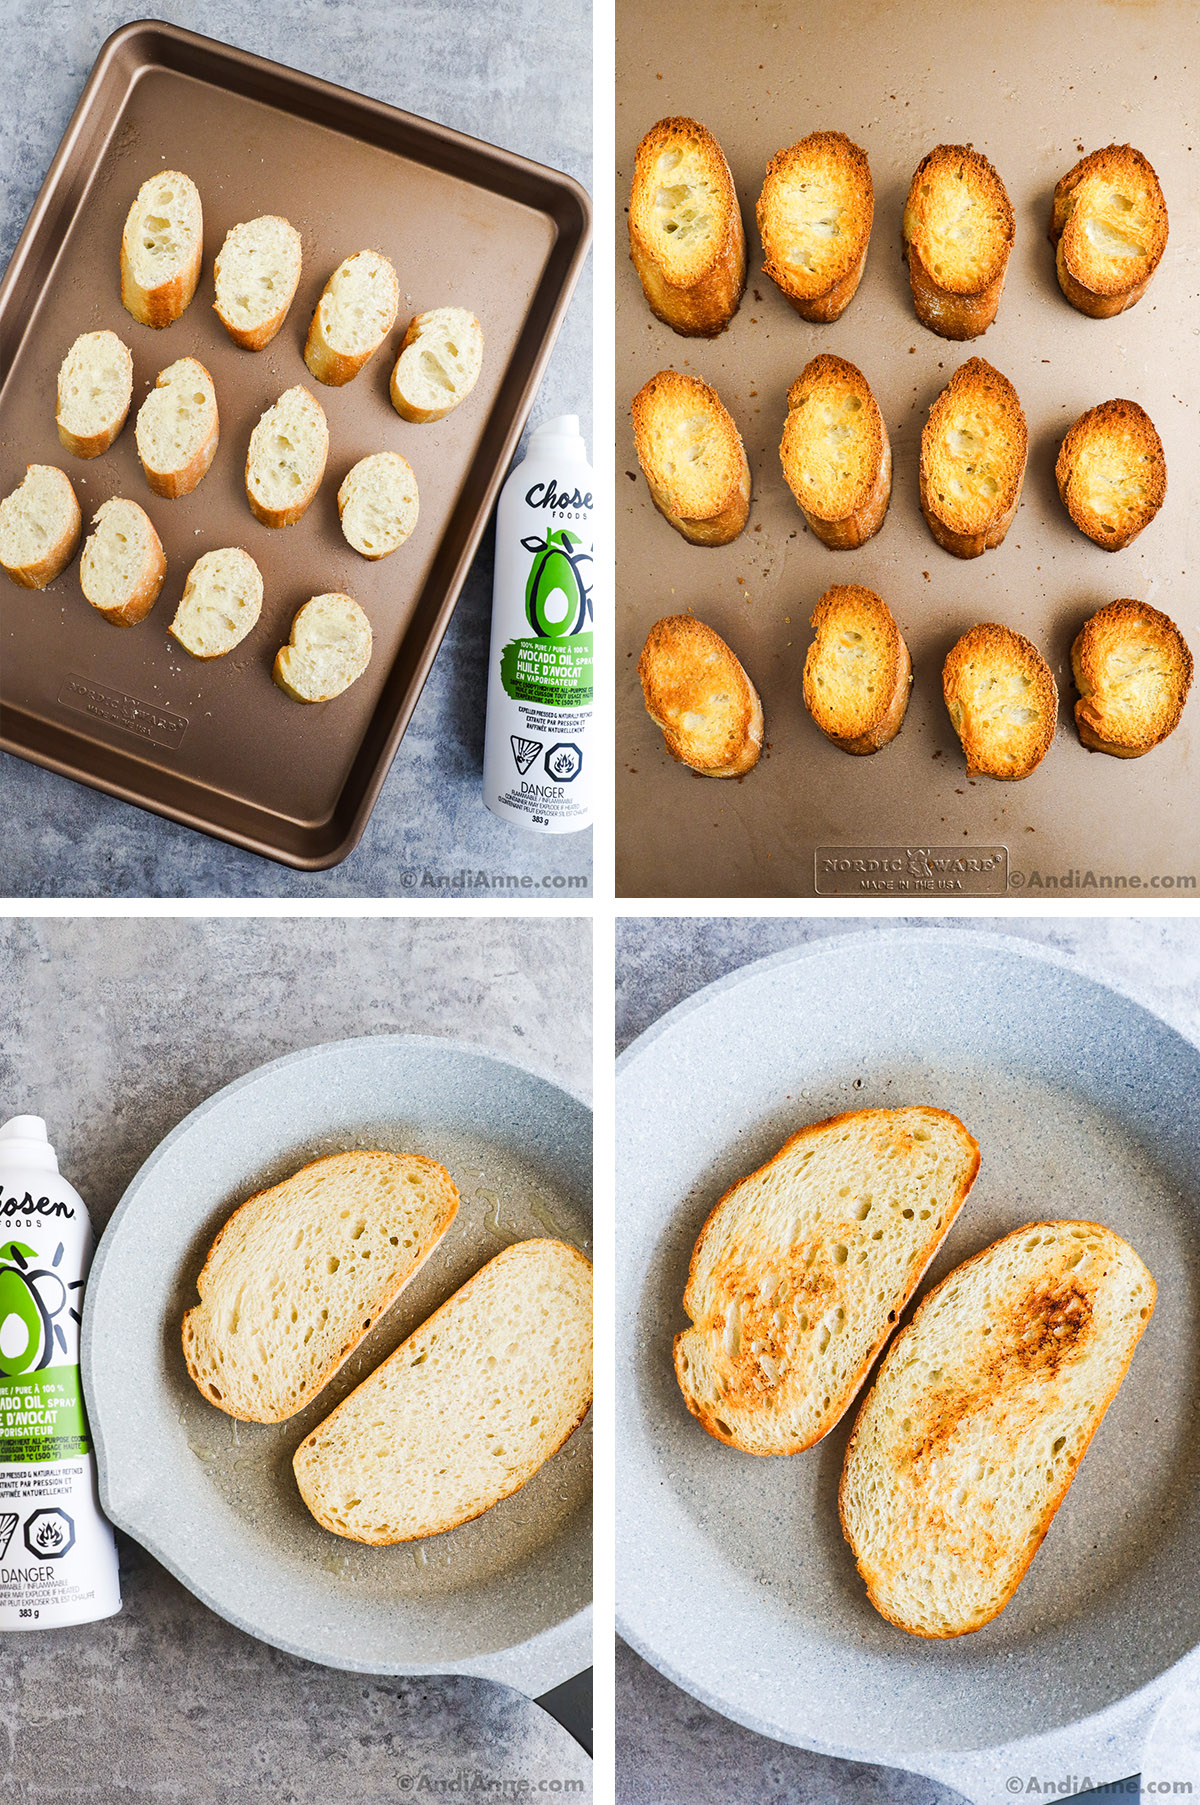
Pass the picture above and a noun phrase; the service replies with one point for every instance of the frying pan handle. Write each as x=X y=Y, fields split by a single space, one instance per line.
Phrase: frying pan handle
x=571 y=1705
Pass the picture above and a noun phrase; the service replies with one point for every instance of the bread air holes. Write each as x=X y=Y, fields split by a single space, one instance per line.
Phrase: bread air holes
x=864 y=1206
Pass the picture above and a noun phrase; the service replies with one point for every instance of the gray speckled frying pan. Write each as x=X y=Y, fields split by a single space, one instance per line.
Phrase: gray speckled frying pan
x=733 y=1577
x=507 y=1596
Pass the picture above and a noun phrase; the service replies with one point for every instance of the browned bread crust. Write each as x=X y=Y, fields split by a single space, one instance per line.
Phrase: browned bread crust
x=1002 y=701
x=973 y=451
x=685 y=229
x=835 y=451
x=958 y=232
x=1112 y=474
x=698 y=694
x=1133 y=671
x=858 y=673
x=815 y=213
x=1108 y=222
x=692 y=457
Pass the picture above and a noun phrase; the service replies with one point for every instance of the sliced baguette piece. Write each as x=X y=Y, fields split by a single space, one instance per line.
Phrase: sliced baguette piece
x=286 y=458
x=858 y=673
x=815 y=213
x=979 y=1417
x=802 y=1268
x=466 y=1410
x=1112 y=473
x=1108 y=222
x=835 y=451
x=161 y=248
x=40 y=524
x=299 y=1273
x=378 y=503
x=222 y=600
x=329 y=649
x=440 y=358
x=692 y=458
x=356 y=312
x=1002 y=701
x=696 y=691
x=95 y=388
x=123 y=563
x=973 y=450
x=685 y=229
x=178 y=429
x=255 y=276
x=959 y=228
x=1133 y=671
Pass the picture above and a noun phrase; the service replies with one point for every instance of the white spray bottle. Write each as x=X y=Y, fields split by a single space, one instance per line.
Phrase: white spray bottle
x=537 y=759
x=58 y=1562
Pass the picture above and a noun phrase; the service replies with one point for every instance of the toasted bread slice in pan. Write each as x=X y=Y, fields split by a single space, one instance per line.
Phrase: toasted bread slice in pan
x=1112 y=473
x=858 y=673
x=692 y=457
x=1133 y=671
x=697 y=692
x=685 y=229
x=835 y=451
x=958 y=232
x=1002 y=701
x=1108 y=223
x=973 y=450
x=815 y=213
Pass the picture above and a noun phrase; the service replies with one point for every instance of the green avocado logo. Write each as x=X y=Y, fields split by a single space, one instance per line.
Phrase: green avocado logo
x=29 y=1303
x=558 y=601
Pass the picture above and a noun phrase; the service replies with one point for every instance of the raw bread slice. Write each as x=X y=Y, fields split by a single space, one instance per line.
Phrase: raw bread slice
x=177 y=428
x=40 y=524
x=255 y=277
x=466 y=1410
x=802 y=1268
x=161 y=248
x=221 y=602
x=377 y=504
x=300 y=1272
x=979 y=1417
x=123 y=564
x=95 y=387
x=439 y=364
x=329 y=649
x=286 y=459
x=356 y=312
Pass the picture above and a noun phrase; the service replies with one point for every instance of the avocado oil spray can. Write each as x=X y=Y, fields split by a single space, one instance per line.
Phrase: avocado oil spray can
x=537 y=760
x=58 y=1562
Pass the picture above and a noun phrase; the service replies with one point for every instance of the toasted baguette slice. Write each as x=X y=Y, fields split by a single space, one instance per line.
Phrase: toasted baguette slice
x=1002 y=701
x=814 y=217
x=1133 y=671
x=95 y=388
x=178 y=429
x=1112 y=474
x=300 y=1272
x=439 y=363
x=286 y=458
x=255 y=277
x=161 y=248
x=356 y=312
x=802 y=1268
x=329 y=649
x=466 y=1410
x=123 y=563
x=685 y=229
x=40 y=524
x=698 y=693
x=377 y=504
x=692 y=457
x=979 y=1417
x=858 y=673
x=973 y=450
x=836 y=455
x=1109 y=224
x=958 y=232
x=222 y=600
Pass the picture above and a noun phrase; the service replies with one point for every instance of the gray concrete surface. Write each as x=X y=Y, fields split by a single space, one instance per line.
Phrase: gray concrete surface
x=670 y=1748
x=114 y=1029
x=512 y=72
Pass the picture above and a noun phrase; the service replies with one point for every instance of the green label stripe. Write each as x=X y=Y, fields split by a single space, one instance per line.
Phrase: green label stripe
x=555 y=672
x=41 y=1417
